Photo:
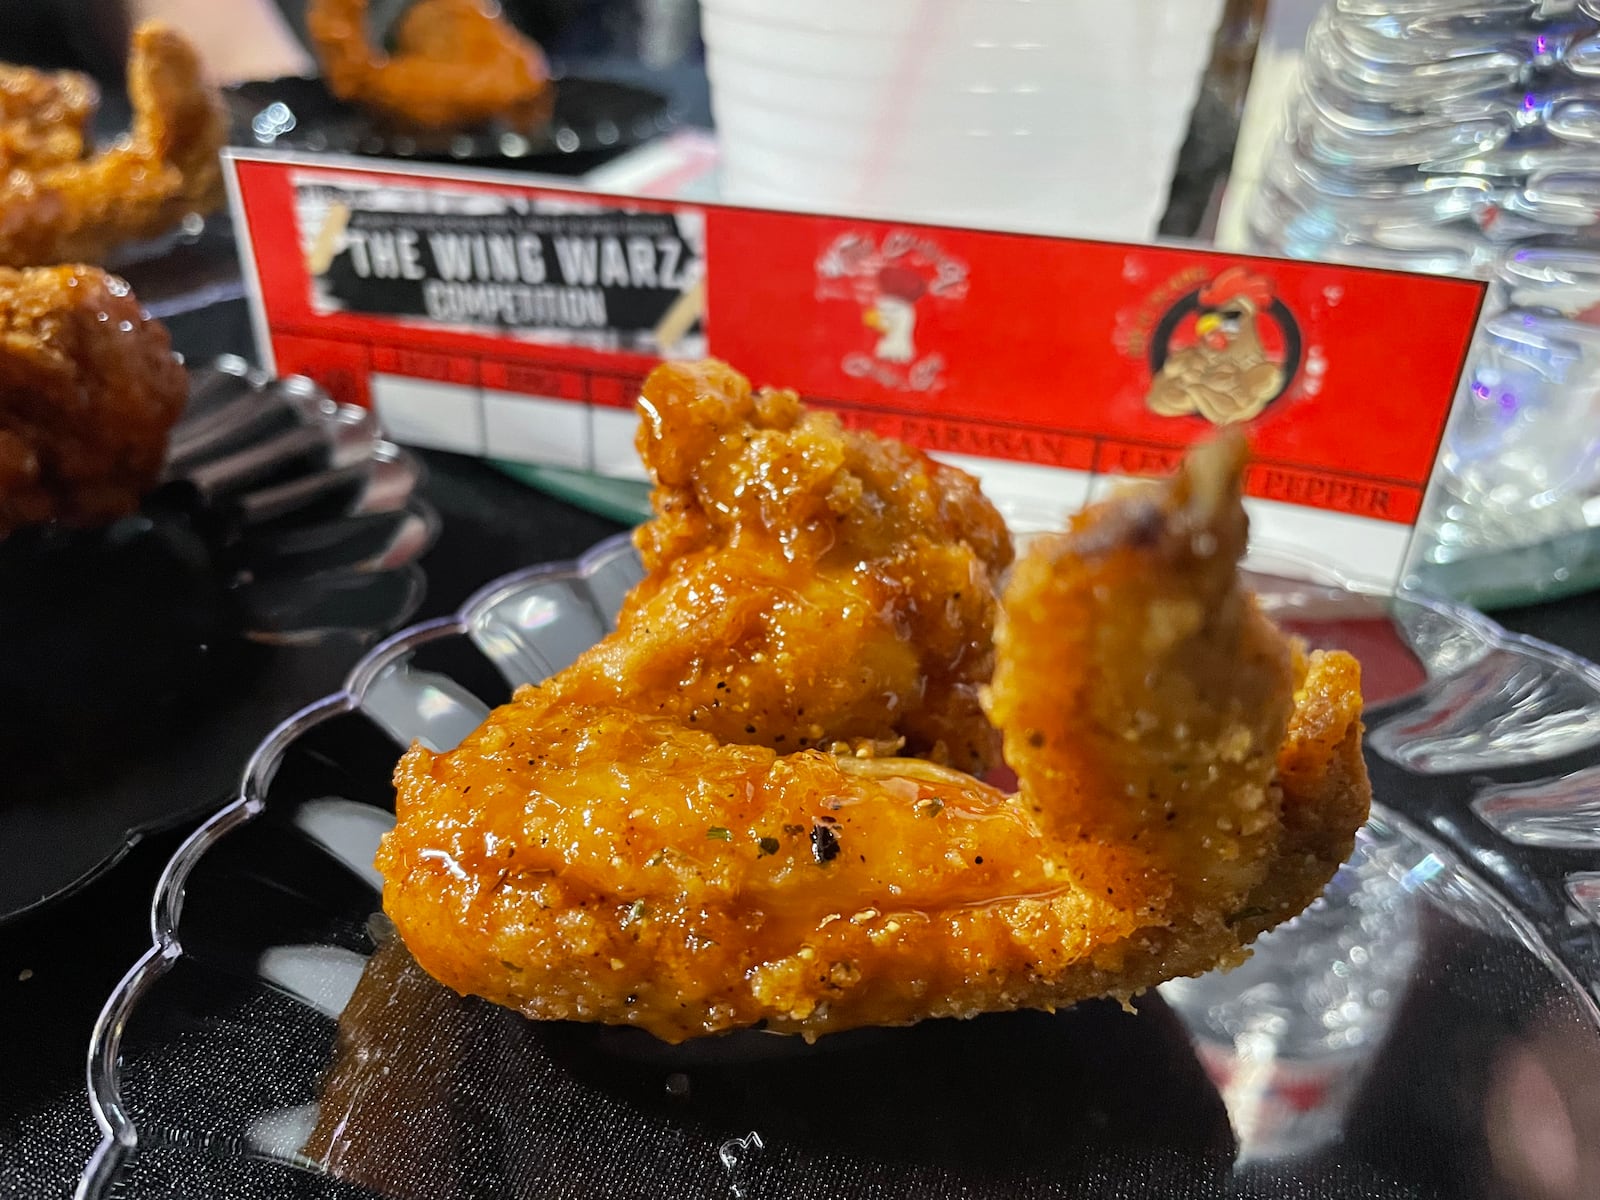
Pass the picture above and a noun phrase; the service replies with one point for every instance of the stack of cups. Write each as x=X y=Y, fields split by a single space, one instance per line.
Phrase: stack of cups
x=1051 y=116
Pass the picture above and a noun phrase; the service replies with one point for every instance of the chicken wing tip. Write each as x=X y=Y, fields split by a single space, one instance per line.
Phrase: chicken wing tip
x=1210 y=478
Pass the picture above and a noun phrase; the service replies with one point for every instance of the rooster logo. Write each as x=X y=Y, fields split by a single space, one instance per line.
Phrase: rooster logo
x=888 y=278
x=892 y=313
x=1223 y=352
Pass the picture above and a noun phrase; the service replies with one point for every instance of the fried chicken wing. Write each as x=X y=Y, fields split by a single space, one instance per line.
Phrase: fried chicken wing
x=1186 y=781
x=44 y=117
x=81 y=210
x=1177 y=679
x=456 y=62
x=88 y=392
x=807 y=585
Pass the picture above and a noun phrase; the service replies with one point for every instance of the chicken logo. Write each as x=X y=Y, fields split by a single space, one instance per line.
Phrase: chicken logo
x=892 y=282
x=1224 y=351
x=893 y=313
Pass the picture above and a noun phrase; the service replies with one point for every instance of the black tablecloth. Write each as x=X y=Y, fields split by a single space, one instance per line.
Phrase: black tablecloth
x=57 y=966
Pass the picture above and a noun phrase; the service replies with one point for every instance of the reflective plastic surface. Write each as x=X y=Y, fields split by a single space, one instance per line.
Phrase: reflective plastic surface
x=281 y=543
x=1462 y=137
x=1518 y=467
x=1428 y=1028
x=585 y=115
x=1428 y=139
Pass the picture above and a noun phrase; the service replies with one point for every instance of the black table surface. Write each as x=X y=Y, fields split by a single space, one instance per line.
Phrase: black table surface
x=58 y=965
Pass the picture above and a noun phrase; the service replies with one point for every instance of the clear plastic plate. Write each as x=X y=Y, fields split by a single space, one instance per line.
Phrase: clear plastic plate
x=1428 y=1028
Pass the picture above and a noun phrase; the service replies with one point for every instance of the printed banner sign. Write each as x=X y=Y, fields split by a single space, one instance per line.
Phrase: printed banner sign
x=547 y=270
x=517 y=321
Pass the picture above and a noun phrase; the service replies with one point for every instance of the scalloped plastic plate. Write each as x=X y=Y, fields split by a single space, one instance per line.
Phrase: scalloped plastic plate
x=313 y=524
x=1429 y=1027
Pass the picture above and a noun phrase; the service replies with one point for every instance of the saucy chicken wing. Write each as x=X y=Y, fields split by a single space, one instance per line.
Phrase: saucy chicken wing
x=88 y=392
x=55 y=210
x=807 y=585
x=44 y=117
x=456 y=62
x=1187 y=780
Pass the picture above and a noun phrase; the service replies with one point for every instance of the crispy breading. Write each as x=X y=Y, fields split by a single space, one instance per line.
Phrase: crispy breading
x=807 y=585
x=44 y=117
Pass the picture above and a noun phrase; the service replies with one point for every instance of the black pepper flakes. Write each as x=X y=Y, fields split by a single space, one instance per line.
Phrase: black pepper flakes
x=766 y=846
x=824 y=844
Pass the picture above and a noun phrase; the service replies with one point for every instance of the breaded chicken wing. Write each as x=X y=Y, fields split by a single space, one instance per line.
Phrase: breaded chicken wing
x=1177 y=680
x=44 y=117
x=807 y=585
x=81 y=210
x=1186 y=781
x=456 y=62
x=88 y=392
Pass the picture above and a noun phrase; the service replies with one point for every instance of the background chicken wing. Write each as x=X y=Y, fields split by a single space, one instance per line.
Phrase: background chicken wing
x=456 y=62
x=88 y=391
x=55 y=210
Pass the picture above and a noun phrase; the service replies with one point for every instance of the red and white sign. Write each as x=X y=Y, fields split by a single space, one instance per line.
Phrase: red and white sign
x=480 y=315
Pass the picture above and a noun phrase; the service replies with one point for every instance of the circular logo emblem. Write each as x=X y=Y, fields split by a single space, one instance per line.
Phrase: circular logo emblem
x=1224 y=351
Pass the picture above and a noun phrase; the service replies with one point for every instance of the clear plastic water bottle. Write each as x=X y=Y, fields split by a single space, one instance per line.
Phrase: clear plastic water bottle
x=1462 y=137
